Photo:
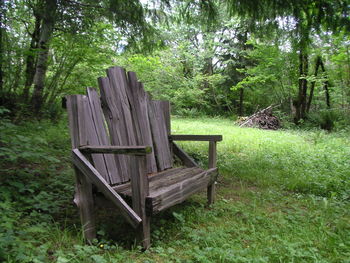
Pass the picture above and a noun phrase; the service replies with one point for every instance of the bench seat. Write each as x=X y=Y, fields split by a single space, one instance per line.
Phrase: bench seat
x=171 y=186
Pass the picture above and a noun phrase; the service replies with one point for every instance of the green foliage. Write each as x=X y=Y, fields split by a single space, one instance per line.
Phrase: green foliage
x=163 y=78
x=43 y=42
x=274 y=73
x=30 y=196
x=282 y=197
x=204 y=66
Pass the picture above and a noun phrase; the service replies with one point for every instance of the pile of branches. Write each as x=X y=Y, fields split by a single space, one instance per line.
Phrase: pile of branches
x=263 y=119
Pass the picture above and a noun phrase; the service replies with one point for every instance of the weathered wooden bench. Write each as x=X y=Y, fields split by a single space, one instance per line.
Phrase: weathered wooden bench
x=121 y=143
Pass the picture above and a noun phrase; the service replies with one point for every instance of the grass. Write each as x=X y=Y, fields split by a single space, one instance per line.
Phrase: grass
x=302 y=161
x=283 y=196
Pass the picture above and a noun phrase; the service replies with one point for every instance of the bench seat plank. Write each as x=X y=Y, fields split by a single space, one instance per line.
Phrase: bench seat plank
x=172 y=186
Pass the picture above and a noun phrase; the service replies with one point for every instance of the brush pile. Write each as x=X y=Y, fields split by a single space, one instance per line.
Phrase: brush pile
x=263 y=119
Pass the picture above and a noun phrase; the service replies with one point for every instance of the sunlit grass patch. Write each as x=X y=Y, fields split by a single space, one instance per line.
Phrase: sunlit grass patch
x=304 y=161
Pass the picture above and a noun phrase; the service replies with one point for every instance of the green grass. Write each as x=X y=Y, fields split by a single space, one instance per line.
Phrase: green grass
x=283 y=196
x=302 y=161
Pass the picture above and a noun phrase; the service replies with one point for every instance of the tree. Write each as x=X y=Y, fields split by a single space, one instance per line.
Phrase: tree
x=50 y=18
x=305 y=18
x=2 y=33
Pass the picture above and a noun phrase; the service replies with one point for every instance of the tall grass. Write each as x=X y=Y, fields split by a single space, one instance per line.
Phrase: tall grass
x=282 y=197
x=313 y=162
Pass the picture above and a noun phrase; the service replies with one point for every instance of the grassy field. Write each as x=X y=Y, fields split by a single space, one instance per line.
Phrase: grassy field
x=283 y=196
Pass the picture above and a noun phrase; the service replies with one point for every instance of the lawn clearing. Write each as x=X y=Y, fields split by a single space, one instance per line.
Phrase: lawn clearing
x=303 y=161
x=283 y=196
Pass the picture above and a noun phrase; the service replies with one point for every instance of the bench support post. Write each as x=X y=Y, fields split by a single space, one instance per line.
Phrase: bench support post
x=84 y=200
x=212 y=164
x=140 y=190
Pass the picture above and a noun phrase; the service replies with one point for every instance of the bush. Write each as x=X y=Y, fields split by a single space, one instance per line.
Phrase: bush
x=329 y=119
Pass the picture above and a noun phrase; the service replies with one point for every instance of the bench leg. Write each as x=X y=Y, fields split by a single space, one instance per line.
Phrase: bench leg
x=139 y=188
x=84 y=200
x=144 y=232
x=211 y=194
x=212 y=164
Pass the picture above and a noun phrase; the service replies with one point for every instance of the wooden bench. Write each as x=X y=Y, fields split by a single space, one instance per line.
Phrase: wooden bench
x=121 y=143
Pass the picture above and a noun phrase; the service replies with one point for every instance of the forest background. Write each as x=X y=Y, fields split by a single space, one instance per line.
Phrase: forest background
x=282 y=196
x=224 y=58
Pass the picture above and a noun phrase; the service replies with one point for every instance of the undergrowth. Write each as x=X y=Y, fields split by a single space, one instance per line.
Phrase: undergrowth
x=283 y=196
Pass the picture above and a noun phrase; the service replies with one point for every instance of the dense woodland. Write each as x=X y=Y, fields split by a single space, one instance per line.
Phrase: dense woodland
x=282 y=196
x=208 y=57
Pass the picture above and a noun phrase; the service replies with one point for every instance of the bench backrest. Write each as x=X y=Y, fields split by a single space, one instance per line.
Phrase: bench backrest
x=124 y=115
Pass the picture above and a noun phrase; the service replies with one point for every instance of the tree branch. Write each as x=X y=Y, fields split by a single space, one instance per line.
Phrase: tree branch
x=83 y=5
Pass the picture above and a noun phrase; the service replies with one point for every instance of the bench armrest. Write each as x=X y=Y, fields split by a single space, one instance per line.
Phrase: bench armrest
x=215 y=138
x=84 y=165
x=132 y=150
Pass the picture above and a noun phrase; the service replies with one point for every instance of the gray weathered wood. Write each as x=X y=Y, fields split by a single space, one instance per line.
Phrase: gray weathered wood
x=174 y=194
x=83 y=189
x=212 y=164
x=125 y=188
x=173 y=186
x=139 y=109
x=116 y=126
x=160 y=136
x=169 y=172
x=133 y=150
x=183 y=156
x=84 y=200
x=102 y=136
x=119 y=84
x=122 y=157
x=139 y=187
x=87 y=131
x=165 y=106
x=212 y=154
x=168 y=180
x=89 y=171
x=163 y=179
x=71 y=103
x=182 y=137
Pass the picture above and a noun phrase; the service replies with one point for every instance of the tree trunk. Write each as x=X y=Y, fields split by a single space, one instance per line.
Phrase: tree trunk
x=325 y=86
x=47 y=27
x=32 y=57
x=54 y=91
x=304 y=85
x=2 y=33
x=317 y=65
x=240 y=106
x=243 y=38
x=208 y=71
x=300 y=104
x=208 y=60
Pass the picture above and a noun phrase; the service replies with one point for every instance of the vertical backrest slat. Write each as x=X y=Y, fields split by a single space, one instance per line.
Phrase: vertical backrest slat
x=119 y=84
x=165 y=106
x=116 y=125
x=73 y=120
x=160 y=137
x=83 y=130
x=102 y=136
x=139 y=108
